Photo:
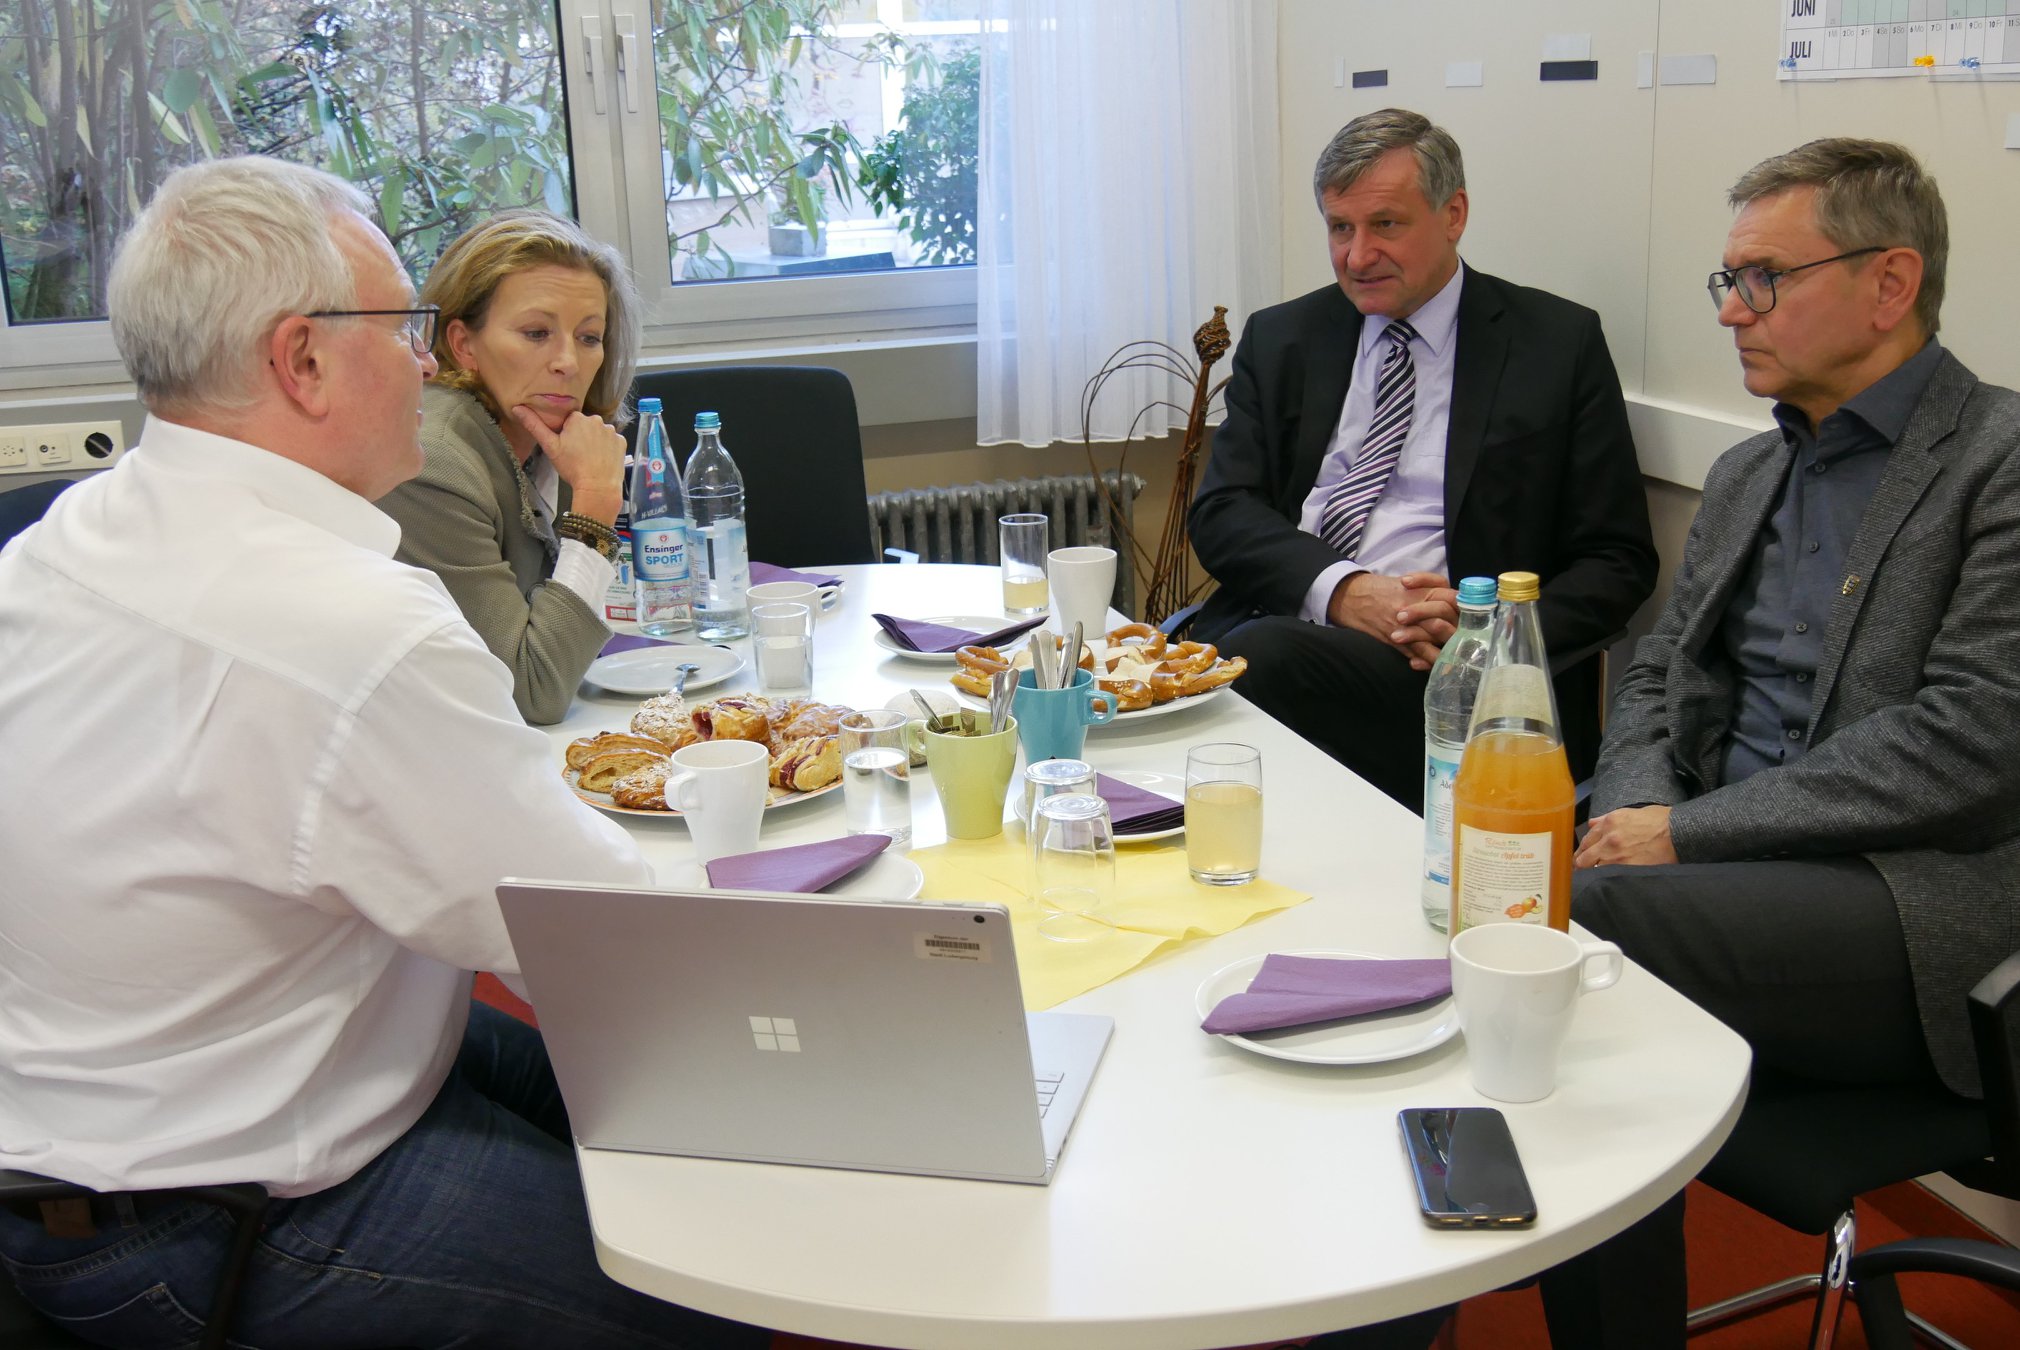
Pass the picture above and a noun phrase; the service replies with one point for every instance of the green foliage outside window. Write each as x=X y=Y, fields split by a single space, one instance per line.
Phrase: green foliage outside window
x=924 y=172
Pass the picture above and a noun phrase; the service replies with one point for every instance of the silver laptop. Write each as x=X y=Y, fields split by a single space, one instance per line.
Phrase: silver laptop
x=887 y=1035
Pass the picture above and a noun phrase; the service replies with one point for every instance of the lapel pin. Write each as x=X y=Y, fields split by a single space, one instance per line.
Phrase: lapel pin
x=1851 y=584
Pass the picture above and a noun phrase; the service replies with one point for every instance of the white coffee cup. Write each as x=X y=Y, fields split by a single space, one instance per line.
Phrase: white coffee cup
x=785 y=593
x=1083 y=579
x=719 y=789
x=1515 y=986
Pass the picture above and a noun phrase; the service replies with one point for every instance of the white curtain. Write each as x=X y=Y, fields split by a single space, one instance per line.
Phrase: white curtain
x=1128 y=185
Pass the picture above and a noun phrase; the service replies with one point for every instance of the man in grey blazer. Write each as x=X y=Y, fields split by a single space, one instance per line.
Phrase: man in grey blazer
x=1807 y=808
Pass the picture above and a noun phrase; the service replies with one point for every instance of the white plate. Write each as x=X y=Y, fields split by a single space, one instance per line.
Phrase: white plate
x=1373 y=1038
x=649 y=670
x=976 y=623
x=601 y=800
x=1123 y=719
x=1164 y=784
x=888 y=876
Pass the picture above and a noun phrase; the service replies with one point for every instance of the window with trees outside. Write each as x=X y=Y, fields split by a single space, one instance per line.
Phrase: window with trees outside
x=767 y=165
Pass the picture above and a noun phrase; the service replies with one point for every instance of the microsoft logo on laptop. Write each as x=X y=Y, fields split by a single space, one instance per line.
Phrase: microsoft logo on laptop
x=776 y=1033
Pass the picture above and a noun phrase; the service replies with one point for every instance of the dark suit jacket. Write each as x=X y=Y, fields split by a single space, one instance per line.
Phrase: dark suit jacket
x=1914 y=731
x=1540 y=472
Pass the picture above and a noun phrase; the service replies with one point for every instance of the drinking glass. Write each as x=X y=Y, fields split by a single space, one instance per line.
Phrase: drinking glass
x=1223 y=813
x=1023 y=546
x=1073 y=867
x=877 y=774
x=1054 y=778
x=782 y=639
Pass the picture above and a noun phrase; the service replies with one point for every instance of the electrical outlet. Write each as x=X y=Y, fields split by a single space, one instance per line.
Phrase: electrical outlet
x=52 y=447
x=13 y=449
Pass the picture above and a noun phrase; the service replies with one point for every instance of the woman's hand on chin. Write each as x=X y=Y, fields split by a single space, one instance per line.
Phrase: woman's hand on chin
x=588 y=454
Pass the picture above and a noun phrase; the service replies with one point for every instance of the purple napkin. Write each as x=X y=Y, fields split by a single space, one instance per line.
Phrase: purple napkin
x=1290 y=991
x=760 y=573
x=628 y=642
x=803 y=867
x=1135 y=810
x=916 y=635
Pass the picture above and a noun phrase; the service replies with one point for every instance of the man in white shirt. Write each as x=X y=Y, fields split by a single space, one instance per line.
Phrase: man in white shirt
x=240 y=949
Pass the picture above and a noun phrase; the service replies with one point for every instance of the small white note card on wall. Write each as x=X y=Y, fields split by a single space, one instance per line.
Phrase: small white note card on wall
x=1567 y=47
x=1464 y=74
x=2013 y=131
x=1696 y=68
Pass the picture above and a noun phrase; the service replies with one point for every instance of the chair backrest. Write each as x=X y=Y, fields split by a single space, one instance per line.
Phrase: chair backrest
x=23 y=506
x=793 y=433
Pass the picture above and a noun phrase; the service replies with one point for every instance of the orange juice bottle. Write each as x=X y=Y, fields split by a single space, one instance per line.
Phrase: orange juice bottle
x=1512 y=802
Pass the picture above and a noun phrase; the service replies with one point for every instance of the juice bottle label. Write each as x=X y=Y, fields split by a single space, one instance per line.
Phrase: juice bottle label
x=1502 y=877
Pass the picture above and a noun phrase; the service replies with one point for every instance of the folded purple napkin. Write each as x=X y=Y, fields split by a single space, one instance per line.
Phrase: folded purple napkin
x=1290 y=991
x=628 y=642
x=1135 y=810
x=803 y=867
x=760 y=573
x=916 y=635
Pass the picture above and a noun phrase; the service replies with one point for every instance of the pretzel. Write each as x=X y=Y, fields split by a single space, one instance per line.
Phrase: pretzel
x=1190 y=658
x=1130 y=695
x=970 y=681
x=1150 y=641
x=986 y=660
x=1221 y=673
x=1165 y=685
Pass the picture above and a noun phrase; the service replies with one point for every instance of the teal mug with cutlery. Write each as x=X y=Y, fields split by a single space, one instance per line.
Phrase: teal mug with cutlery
x=1052 y=723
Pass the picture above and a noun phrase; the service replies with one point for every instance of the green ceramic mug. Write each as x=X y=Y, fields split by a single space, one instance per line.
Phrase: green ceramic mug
x=972 y=776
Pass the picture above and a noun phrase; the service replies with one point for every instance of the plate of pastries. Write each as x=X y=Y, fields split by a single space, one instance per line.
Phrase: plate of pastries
x=1148 y=673
x=626 y=771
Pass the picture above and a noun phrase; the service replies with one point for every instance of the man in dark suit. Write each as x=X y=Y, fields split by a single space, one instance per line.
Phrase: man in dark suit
x=1809 y=797
x=1418 y=422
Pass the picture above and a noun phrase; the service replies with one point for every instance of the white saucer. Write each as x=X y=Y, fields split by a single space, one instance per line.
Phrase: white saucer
x=649 y=670
x=1373 y=1038
x=975 y=623
x=888 y=876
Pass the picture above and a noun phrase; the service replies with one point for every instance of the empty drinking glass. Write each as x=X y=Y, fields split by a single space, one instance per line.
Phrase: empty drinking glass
x=1072 y=867
x=876 y=774
x=1054 y=778
x=782 y=639
x=1023 y=544
x=1223 y=813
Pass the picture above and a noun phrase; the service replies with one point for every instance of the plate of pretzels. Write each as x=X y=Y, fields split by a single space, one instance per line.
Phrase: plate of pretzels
x=626 y=771
x=1148 y=674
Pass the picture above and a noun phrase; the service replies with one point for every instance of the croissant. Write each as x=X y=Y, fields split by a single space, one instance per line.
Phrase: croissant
x=807 y=764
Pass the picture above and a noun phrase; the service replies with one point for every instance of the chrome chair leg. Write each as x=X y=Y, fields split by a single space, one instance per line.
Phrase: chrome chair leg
x=1831 y=1294
x=1791 y=1290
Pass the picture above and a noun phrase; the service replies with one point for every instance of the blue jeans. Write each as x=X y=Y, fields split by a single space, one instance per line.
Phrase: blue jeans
x=469 y=1231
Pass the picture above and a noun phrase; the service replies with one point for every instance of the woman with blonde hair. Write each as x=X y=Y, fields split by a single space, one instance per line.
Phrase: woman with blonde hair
x=515 y=508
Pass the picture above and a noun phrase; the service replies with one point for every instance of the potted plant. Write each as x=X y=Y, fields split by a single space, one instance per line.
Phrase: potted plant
x=796 y=220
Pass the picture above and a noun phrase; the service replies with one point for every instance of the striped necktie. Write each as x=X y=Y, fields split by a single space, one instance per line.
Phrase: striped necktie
x=1346 y=512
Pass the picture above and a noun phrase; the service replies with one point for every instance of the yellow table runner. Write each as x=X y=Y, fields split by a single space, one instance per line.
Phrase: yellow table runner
x=1157 y=904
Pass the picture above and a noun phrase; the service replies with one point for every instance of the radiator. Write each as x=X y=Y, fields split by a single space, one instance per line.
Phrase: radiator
x=958 y=524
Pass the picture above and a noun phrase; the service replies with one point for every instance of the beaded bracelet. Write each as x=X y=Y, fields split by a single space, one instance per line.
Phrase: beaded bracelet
x=594 y=533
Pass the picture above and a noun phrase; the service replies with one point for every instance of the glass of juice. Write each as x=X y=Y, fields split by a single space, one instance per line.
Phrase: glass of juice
x=1024 y=540
x=1223 y=813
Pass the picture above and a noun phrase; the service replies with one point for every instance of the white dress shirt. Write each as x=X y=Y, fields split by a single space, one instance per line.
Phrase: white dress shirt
x=259 y=783
x=576 y=565
x=1406 y=529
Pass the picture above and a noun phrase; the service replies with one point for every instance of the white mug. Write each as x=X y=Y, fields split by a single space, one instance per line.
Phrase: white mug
x=719 y=789
x=1082 y=580
x=1515 y=986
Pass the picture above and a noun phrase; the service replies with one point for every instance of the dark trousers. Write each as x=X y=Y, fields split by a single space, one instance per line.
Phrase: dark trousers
x=1354 y=697
x=1805 y=960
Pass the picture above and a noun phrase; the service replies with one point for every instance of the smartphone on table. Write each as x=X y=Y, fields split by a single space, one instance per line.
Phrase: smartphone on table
x=1467 y=1171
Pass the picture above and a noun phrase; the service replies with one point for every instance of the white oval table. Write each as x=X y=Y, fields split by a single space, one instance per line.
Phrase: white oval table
x=1208 y=1196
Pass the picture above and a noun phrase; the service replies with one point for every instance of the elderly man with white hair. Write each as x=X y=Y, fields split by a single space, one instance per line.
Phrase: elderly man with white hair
x=261 y=781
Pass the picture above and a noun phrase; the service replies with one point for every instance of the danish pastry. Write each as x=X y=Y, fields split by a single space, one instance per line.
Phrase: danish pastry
x=580 y=752
x=605 y=769
x=734 y=719
x=664 y=719
x=807 y=719
x=643 y=789
x=803 y=765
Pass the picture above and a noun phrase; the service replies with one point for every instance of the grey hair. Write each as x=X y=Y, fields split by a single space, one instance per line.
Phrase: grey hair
x=1354 y=149
x=223 y=250
x=1870 y=194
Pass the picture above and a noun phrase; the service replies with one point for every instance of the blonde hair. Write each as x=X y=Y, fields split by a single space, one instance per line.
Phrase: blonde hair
x=467 y=276
x=225 y=249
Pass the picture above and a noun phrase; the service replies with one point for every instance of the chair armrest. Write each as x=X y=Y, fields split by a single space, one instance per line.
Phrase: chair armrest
x=1179 y=620
x=1972 y=1258
x=899 y=555
x=1991 y=1004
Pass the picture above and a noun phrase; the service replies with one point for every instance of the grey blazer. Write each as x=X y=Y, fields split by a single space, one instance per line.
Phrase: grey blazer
x=468 y=518
x=1914 y=733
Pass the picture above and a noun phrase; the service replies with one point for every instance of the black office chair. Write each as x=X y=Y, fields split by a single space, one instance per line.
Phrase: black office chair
x=793 y=433
x=23 y=506
x=22 y=1328
x=1803 y=1150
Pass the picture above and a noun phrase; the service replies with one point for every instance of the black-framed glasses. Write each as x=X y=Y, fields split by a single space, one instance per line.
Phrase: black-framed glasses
x=419 y=326
x=1756 y=284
